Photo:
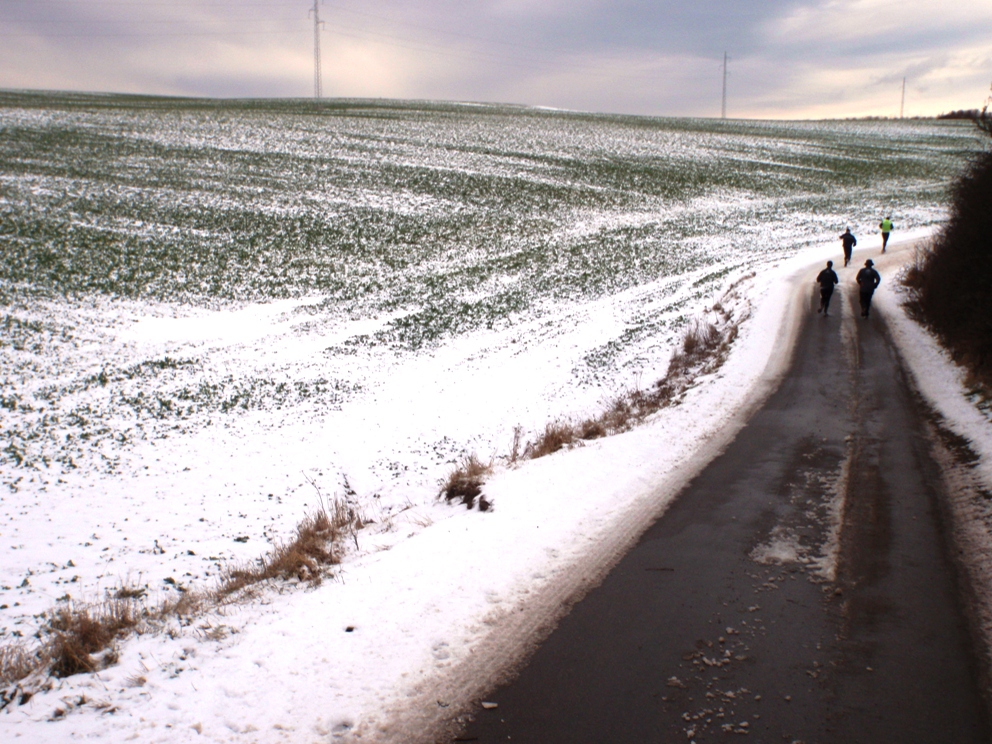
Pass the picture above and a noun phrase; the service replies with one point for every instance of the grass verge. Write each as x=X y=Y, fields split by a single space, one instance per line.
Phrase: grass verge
x=702 y=350
x=315 y=546
x=80 y=638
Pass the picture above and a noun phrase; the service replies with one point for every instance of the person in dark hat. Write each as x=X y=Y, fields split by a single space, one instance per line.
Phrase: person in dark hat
x=827 y=279
x=849 y=242
x=868 y=279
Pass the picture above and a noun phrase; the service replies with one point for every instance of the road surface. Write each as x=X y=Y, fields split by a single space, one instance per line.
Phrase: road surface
x=798 y=590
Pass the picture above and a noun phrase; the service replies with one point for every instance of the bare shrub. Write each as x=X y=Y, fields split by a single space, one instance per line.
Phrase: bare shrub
x=515 y=452
x=464 y=483
x=913 y=277
x=915 y=271
x=950 y=284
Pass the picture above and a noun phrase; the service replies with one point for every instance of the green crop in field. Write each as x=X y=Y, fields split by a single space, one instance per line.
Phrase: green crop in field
x=423 y=221
x=384 y=206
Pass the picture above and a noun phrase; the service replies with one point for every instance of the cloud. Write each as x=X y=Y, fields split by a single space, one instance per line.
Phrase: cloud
x=633 y=82
x=861 y=86
x=789 y=58
x=917 y=70
x=858 y=24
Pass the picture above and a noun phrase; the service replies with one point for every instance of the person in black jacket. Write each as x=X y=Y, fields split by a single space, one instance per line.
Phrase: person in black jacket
x=867 y=280
x=849 y=242
x=827 y=279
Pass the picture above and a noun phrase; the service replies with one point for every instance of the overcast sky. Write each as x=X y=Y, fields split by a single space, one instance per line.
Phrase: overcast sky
x=788 y=58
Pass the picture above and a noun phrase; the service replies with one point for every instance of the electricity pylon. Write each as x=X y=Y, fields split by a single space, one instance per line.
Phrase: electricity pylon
x=723 y=104
x=317 y=23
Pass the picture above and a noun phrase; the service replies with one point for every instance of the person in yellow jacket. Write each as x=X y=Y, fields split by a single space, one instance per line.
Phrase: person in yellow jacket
x=886 y=227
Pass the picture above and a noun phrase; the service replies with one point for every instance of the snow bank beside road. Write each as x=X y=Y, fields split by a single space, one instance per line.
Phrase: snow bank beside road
x=966 y=464
x=941 y=382
x=436 y=615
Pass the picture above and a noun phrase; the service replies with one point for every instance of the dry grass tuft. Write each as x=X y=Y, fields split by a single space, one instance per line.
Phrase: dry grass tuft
x=621 y=414
x=464 y=483
x=698 y=342
x=78 y=632
x=594 y=428
x=126 y=591
x=556 y=436
x=703 y=349
x=304 y=558
x=77 y=638
x=16 y=663
x=515 y=449
x=186 y=605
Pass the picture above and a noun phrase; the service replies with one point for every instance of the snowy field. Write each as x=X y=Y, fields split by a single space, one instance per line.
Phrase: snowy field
x=216 y=316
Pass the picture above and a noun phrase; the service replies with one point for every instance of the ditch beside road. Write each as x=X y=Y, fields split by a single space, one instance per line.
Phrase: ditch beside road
x=800 y=589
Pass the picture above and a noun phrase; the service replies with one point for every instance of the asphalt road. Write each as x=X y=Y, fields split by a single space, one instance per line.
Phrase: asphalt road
x=799 y=590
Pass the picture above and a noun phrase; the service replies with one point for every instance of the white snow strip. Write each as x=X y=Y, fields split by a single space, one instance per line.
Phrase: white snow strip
x=941 y=382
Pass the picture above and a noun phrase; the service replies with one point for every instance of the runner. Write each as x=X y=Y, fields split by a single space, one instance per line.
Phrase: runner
x=867 y=280
x=849 y=242
x=886 y=227
x=827 y=279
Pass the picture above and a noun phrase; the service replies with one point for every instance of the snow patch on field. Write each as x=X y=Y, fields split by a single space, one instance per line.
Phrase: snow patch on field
x=431 y=604
x=440 y=599
x=156 y=445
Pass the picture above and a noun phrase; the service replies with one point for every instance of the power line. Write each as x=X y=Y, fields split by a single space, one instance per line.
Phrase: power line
x=130 y=21
x=518 y=61
x=194 y=4
x=146 y=34
x=389 y=20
